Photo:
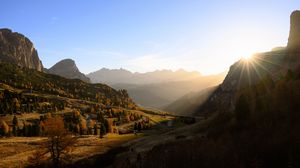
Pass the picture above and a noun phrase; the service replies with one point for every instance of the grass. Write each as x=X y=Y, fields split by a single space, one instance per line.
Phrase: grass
x=14 y=151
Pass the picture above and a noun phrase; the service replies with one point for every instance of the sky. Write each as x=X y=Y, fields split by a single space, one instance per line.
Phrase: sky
x=146 y=35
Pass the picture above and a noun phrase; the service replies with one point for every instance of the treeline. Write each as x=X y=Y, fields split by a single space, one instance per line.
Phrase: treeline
x=16 y=103
x=93 y=121
x=20 y=128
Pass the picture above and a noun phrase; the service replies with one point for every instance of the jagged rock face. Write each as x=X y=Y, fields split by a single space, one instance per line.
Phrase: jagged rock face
x=17 y=49
x=68 y=69
x=294 y=37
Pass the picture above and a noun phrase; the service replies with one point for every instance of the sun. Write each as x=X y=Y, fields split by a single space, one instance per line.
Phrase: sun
x=247 y=57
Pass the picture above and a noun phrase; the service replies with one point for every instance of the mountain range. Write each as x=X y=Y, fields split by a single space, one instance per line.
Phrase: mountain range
x=118 y=76
x=158 y=88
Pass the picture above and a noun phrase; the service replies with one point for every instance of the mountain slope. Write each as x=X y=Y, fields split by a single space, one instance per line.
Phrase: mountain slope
x=187 y=104
x=68 y=69
x=33 y=81
x=17 y=49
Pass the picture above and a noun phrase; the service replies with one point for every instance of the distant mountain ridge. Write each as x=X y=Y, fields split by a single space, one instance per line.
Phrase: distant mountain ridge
x=17 y=49
x=68 y=69
x=116 y=76
x=158 y=88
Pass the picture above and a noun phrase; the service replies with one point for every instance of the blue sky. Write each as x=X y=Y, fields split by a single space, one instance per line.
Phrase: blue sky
x=145 y=35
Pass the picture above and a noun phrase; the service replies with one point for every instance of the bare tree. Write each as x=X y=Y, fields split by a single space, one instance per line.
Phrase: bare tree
x=59 y=143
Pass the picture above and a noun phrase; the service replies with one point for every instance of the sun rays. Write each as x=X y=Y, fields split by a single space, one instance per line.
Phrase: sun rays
x=255 y=67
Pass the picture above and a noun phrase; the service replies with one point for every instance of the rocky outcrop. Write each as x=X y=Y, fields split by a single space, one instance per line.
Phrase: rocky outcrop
x=68 y=69
x=294 y=36
x=17 y=49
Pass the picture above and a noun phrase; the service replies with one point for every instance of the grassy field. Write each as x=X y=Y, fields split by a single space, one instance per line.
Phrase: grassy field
x=14 y=151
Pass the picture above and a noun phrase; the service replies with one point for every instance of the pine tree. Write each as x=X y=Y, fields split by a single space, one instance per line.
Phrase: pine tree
x=102 y=130
x=95 y=129
x=15 y=126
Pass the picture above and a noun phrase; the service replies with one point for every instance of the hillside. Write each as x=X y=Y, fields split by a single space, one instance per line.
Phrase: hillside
x=68 y=69
x=32 y=81
x=187 y=104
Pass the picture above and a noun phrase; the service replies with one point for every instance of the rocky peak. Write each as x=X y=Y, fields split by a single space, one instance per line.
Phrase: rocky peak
x=17 y=49
x=67 y=68
x=294 y=37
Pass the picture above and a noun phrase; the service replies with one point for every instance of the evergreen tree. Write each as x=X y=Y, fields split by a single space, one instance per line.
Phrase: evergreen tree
x=102 y=130
x=15 y=126
x=139 y=126
x=135 y=127
x=95 y=129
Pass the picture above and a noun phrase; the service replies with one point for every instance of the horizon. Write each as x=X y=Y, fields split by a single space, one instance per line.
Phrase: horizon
x=148 y=36
x=155 y=70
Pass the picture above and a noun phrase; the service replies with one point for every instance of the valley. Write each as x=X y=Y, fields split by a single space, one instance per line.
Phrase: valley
x=152 y=113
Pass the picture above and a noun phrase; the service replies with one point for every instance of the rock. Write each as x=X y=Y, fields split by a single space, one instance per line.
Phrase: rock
x=68 y=69
x=294 y=37
x=17 y=49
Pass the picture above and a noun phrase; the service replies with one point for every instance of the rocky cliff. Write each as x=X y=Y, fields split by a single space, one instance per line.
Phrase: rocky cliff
x=294 y=37
x=17 y=49
x=68 y=69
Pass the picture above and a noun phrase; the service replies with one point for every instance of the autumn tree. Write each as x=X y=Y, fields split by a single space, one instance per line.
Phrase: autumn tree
x=4 y=128
x=59 y=142
x=16 y=104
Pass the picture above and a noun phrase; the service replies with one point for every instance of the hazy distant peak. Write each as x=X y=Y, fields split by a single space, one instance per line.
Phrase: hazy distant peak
x=115 y=76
